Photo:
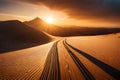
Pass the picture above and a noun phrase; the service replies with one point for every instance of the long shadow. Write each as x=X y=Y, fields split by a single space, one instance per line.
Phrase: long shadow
x=107 y=68
x=82 y=68
x=15 y=35
x=18 y=46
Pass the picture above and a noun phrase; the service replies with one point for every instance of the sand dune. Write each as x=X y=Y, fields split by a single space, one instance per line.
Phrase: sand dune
x=23 y=64
x=64 y=31
x=16 y=35
x=40 y=25
x=74 y=58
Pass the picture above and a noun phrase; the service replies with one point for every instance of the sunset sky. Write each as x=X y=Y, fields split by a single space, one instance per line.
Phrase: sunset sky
x=105 y=13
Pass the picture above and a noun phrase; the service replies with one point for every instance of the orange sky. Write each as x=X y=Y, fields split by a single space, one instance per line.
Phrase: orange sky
x=27 y=11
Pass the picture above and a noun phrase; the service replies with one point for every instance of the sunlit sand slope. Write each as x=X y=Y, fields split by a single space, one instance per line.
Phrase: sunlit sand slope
x=23 y=64
x=71 y=58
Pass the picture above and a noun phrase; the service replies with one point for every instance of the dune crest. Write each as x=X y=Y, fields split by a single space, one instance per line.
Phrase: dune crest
x=16 y=35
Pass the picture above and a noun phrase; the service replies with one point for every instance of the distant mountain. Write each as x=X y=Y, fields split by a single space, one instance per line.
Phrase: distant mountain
x=16 y=35
x=37 y=22
x=40 y=25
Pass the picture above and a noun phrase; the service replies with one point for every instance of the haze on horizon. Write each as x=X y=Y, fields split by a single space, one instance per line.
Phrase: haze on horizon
x=105 y=13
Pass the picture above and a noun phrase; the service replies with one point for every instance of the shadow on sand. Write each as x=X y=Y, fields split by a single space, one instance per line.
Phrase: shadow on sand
x=15 y=35
x=107 y=68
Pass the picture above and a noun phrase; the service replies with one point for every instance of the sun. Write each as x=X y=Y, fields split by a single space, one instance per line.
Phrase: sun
x=49 y=20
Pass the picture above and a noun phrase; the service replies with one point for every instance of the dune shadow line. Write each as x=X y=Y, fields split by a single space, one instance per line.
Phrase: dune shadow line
x=107 y=68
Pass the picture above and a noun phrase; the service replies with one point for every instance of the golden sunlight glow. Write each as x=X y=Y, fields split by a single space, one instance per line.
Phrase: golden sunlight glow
x=49 y=20
x=56 y=17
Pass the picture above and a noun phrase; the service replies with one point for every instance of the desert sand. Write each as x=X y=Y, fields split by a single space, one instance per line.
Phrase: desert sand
x=69 y=58
x=15 y=35
x=70 y=30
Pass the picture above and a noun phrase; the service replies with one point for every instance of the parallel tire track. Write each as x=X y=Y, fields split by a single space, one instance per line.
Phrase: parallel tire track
x=105 y=67
x=51 y=69
x=82 y=68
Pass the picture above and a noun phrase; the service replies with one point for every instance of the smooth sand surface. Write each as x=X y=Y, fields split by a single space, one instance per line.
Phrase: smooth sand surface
x=105 y=48
x=23 y=64
x=70 y=58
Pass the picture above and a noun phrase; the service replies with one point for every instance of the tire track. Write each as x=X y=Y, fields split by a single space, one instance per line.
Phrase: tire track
x=105 y=67
x=51 y=69
x=82 y=68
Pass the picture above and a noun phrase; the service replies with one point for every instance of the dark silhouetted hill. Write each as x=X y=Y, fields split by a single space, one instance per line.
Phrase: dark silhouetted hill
x=16 y=35
x=40 y=25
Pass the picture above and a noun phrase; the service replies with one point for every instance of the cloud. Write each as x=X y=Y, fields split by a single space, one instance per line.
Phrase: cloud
x=4 y=16
x=100 y=9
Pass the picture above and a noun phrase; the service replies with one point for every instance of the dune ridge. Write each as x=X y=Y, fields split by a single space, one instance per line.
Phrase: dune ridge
x=16 y=35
